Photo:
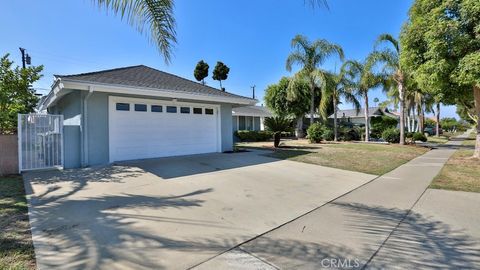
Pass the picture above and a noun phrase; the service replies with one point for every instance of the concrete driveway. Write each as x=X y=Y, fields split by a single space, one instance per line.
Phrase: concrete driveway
x=171 y=213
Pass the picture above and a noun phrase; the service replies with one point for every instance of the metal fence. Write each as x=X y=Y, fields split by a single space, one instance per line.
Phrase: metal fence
x=40 y=141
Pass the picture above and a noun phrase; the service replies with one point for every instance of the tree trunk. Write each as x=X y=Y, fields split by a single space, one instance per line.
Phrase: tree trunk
x=421 y=119
x=367 y=122
x=401 y=96
x=221 y=88
x=276 y=139
x=437 y=125
x=299 y=127
x=312 y=103
x=334 y=118
x=476 y=94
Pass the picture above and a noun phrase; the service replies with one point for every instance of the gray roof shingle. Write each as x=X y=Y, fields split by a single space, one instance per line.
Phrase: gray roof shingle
x=352 y=113
x=143 y=76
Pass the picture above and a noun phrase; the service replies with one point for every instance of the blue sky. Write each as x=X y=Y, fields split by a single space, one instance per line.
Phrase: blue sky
x=252 y=37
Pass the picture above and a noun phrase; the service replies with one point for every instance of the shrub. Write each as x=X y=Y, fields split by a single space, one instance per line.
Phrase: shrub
x=276 y=125
x=418 y=136
x=349 y=133
x=253 y=136
x=328 y=134
x=391 y=135
x=380 y=124
x=315 y=132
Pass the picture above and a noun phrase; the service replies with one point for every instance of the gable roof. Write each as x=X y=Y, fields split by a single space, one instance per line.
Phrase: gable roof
x=147 y=77
x=252 y=111
x=372 y=111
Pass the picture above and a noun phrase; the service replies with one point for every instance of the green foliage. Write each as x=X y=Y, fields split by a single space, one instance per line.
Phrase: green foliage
x=315 y=132
x=220 y=73
x=430 y=123
x=379 y=124
x=391 y=135
x=328 y=134
x=16 y=94
x=201 y=71
x=349 y=133
x=280 y=102
x=253 y=135
x=277 y=125
x=418 y=136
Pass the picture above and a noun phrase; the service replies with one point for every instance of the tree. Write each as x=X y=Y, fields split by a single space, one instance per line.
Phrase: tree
x=278 y=100
x=153 y=18
x=441 y=47
x=277 y=125
x=201 y=71
x=376 y=100
x=391 y=65
x=310 y=56
x=220 y=73
x=16 y=94
x=363 y=79
x=337 y=86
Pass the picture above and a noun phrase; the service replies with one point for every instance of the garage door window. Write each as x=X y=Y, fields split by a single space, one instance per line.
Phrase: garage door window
x=171 y=109
x=184 y=109
x=122 y=107
x=208 y=111
x=140 y=107
x=157 y=108
x=197 y=110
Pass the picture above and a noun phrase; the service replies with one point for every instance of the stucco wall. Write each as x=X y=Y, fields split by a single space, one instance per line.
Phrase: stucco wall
x=226 y=127
x=8 y=154
x=70 y=107
x=97 y=119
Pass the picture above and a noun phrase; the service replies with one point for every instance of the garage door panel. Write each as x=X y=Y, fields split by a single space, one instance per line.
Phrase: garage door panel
x=137 y=135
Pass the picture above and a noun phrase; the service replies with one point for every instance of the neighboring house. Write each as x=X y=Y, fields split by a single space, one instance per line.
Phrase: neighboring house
x=249 y=118
x=139 y=112
x=351 y=116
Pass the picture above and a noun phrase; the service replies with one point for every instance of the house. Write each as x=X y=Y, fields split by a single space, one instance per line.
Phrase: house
x=358 y=118
x=139 y=112
x=249 y=117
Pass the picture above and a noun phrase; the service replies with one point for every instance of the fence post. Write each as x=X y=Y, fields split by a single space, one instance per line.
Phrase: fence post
x=19 y=142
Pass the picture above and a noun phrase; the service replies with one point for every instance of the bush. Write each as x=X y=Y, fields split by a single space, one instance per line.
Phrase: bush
x=349 y=133
x=328 y=135
x=391 y=135
x=418 y=136
x=380 y=124
x=315 y=132
x=253 y=136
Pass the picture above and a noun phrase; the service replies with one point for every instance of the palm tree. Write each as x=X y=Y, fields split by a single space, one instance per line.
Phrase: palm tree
x=277 y=125
x=310 y=56
x=391 y=65
x=338 y=86
x=153 y=18
x=363 y=79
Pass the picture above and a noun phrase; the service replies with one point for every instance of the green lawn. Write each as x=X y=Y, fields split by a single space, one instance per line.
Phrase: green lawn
x=442 y=138
x=368 y=158
x=461 y=171
x=16 y=248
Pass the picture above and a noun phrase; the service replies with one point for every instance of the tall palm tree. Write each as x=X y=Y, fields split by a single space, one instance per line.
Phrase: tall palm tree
x=338 y=86
x=391 y=65
x=154 y=18
x=363 y=79
x=310 y=56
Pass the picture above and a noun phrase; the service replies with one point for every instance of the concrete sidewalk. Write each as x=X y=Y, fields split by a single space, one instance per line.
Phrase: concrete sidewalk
x=350 y=231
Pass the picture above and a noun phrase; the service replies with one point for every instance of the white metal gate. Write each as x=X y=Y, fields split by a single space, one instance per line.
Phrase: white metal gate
x=40 y=141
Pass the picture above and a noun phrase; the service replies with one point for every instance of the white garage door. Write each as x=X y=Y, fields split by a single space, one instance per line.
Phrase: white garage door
x=144 y=128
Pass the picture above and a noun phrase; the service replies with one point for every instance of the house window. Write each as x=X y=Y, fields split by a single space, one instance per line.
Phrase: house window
x=171 y=109
x=208 y=111
x=157 y=108
x=241 y=123
x=184 y=109
x=256 y=123
x=123 y=107
x=197 y=110
x=249 y=123
x=140 y=107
